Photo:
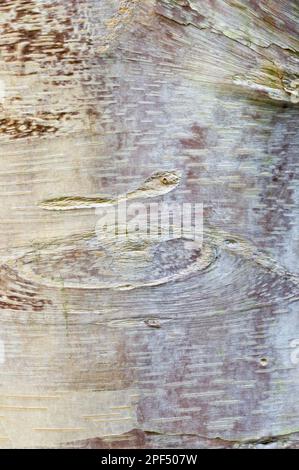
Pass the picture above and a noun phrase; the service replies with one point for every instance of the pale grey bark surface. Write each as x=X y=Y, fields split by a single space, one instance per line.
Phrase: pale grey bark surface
x=96 y=96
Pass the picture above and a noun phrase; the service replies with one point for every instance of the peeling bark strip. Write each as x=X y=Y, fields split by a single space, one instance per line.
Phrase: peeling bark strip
x=109 y=343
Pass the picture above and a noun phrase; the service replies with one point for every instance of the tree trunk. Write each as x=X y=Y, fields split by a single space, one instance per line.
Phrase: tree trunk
x=112 y=342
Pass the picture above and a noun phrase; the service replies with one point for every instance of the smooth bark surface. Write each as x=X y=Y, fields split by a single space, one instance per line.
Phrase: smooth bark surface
x=108 y=344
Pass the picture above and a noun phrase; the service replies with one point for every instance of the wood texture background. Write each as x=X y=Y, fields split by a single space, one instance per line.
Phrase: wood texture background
x=96 y=96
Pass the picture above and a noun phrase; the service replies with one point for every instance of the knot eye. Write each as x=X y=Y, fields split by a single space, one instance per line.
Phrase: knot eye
x=166 y=180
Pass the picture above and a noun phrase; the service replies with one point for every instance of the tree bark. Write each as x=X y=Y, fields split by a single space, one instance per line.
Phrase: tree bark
x=117 y=344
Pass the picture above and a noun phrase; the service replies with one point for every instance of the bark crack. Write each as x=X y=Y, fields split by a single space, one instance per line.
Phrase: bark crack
x=263 y=440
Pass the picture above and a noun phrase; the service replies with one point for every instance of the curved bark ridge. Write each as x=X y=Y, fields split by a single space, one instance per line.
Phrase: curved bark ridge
x=157 y=184
x=84 y=262
x=268 y=31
